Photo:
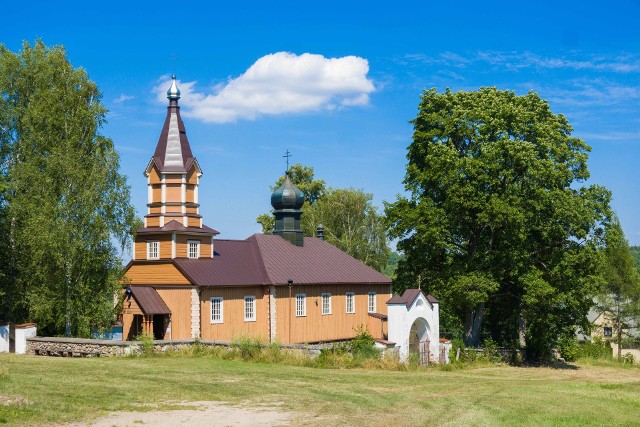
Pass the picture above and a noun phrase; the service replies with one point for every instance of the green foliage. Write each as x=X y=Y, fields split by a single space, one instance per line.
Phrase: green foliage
x=363 y=346
x=497 y=224
x=146 y=344
x=596 y=349
x=67 y=204
x=350 y=220
x=619 y=296
x=569 y=348
x=248 y=347
x=392 y=264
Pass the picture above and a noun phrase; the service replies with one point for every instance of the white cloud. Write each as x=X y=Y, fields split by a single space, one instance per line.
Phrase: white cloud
x=123 y=98
x=278 y=83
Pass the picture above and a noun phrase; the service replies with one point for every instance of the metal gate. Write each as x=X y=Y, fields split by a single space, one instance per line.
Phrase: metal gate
x=424 y=353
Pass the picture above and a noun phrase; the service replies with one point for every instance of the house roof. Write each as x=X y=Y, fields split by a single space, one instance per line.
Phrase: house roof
x=149 y=300
x=272 y=260
x=409 y=296
x=174 y=225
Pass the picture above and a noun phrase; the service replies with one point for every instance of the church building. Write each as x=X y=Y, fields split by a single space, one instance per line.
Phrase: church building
x=185 y=283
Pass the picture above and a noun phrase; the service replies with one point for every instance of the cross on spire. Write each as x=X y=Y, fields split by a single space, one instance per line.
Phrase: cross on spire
x=287 y=155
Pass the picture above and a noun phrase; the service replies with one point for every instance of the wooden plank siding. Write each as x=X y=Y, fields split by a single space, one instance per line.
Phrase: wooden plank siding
x=316 y=327
x=192 y=176
x=234 y=325
x=154 y=175
x=141 y=244
x=153 y=221
x=174 y=193
x=182 y=247
x=156 y=193
x=155 y=274
x=178 y=299
x=129 y=309
x=191 y=193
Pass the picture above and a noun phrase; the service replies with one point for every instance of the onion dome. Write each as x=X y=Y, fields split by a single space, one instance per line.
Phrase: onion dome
x=287 y=196
x=173 y=94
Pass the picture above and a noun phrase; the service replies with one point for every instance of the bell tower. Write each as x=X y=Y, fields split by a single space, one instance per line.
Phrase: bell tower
x=173 y=225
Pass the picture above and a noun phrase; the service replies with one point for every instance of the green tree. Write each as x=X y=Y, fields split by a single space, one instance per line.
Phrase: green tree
x=350 y=220
x=495 y=223
x=351 y=223
x=620 y=294
x=67 y=204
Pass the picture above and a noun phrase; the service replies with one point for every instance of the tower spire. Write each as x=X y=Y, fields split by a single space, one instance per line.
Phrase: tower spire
x=173 y=94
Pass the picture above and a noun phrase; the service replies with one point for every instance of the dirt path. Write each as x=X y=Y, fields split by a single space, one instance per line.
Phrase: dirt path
x=196 y=414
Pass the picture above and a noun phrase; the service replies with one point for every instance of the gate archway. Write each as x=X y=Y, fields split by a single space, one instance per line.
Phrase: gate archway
x=414 y=325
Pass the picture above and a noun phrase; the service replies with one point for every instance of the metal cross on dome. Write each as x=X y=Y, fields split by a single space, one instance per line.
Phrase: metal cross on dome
x=287 y=155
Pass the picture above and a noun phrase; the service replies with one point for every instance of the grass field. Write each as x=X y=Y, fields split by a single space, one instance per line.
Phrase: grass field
x=41 y=390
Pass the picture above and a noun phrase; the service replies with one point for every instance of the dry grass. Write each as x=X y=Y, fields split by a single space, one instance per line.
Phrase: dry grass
x=61 y=390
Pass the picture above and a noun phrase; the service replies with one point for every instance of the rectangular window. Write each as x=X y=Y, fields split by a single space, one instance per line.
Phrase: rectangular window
x=194 y=249
x=301 y=305
x=153 y=250
x=250 y=308
x=326 y=304
x=351 y=306
x=216 y=310
x=608 y=332
x=372 y=302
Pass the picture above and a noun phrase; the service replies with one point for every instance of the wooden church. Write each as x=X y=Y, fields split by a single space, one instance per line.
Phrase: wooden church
x=184 y=283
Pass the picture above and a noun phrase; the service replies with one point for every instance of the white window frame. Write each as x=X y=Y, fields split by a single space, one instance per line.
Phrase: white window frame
x=326 y=304
x=193 y=242
x=150 y=245
x=301 y=305
x=249 y=308
x=221 y=301
x=371 y=302
x=350 y=299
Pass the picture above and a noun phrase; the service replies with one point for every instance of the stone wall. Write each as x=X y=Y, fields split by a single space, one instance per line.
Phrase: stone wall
x=78 y=347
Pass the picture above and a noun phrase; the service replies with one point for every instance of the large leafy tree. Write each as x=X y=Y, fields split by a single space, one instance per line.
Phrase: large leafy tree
x=496 y=223
x=66 y=209
x=619 y=296
x=349 y=219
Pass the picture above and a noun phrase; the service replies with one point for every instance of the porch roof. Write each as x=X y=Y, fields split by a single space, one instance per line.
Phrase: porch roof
x=149 y=300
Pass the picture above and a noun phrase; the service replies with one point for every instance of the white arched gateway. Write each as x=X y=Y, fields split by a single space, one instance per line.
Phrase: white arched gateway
x=414 y=324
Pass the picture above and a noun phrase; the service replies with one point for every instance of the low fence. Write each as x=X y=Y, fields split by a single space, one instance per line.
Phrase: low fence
x=80 y=347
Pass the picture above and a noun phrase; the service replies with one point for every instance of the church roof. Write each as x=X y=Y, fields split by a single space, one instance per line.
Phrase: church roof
x=174 y=225
x=409 y=296
x=173 y=153
x=272 y=260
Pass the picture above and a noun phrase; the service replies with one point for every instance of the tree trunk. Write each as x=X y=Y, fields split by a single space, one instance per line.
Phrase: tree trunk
x=619 y=328
x=522 y=331
x=472 y=324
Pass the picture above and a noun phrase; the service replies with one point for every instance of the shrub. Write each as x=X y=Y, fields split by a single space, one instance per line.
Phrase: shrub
x=491 y=353
x=596 y=349
x=146 y=344
x=249 y=348
x=569 y=348
x=363 y=346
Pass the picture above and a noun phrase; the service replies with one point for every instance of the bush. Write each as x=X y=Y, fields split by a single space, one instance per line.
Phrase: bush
x=596 y=349
x=249 y=348
x=569 y=348
x=363 y=346
x=146 y=344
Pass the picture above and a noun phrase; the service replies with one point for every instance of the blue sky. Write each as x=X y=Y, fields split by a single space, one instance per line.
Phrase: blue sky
x=336 y=83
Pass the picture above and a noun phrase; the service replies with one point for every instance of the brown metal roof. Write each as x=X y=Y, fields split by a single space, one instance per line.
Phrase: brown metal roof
x=174 y=225
x=272 y=260
x=149 y=300
x=409 y=296
x=160 y=154
x=378 y=316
